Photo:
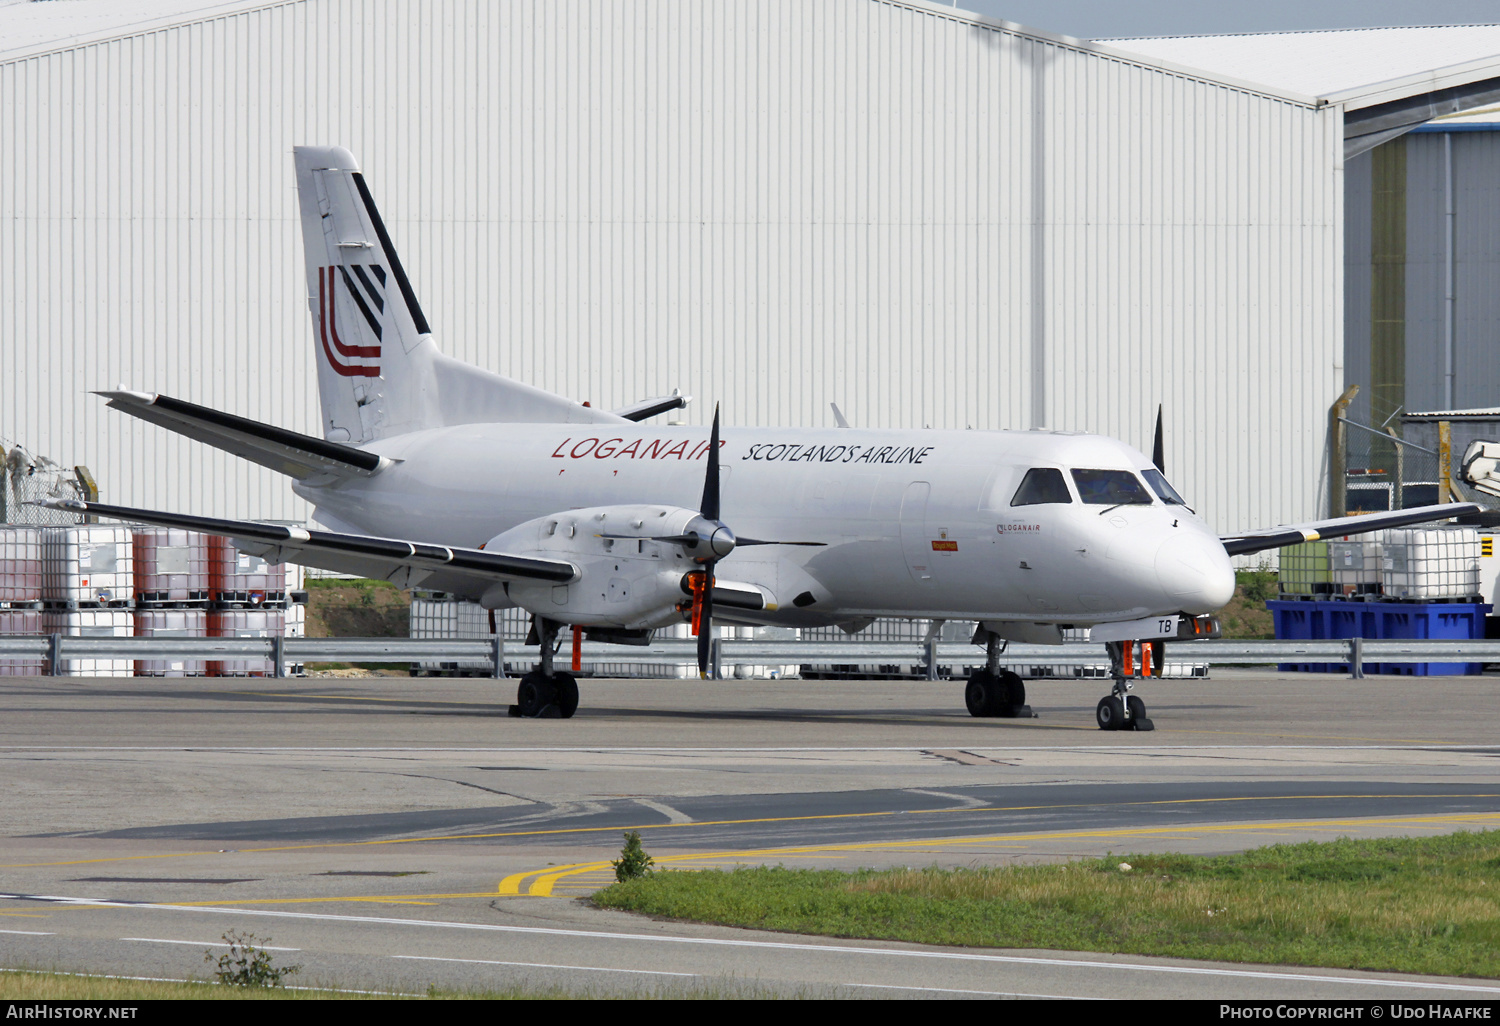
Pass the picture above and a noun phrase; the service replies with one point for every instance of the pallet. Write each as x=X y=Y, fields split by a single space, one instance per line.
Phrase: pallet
x=21 y=604
x=165 y=600
x=72 y=605
x=248 y=600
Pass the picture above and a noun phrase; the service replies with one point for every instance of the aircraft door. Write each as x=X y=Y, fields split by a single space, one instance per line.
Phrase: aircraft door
x=914 y=542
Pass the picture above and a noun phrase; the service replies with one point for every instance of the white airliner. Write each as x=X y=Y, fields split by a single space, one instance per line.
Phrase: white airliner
x=434 y=473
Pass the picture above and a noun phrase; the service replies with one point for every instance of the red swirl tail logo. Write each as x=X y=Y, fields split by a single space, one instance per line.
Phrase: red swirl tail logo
x=370 y=295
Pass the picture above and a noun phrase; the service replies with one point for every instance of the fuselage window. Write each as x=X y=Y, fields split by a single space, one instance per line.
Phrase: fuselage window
x=1158 y=482
x=1111 y=488
x=1042 y=484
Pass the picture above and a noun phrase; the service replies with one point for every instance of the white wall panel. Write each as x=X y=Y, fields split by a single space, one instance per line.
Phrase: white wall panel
x=771 y=203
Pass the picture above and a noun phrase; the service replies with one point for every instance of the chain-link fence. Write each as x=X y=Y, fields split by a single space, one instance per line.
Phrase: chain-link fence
x=1397 y=466
x=26 y=478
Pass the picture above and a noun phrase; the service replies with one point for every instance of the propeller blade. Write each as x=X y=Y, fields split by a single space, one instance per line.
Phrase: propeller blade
x=1158 y=448
x=710 y=505
x=703 y=619
x=762 y=541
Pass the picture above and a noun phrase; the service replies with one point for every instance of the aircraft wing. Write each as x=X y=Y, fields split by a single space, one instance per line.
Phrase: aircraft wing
x=1292 y=534
x=286 y=452
x=440 y=567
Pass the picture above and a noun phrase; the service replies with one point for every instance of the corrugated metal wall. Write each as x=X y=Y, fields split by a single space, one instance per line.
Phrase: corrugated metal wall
x=1476 y=252
x=1476 y=263
x=772 y=203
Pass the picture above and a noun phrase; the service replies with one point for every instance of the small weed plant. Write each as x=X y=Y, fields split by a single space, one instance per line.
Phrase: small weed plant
x=248 y=964
x=633 y=862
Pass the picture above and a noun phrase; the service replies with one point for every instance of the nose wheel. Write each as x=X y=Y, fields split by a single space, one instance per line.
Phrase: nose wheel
x=1120 y=710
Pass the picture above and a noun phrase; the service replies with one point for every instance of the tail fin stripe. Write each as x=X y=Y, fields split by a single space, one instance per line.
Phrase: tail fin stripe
x=355 y=352
x=371 y=290
x=379 y=273
x=418 y=320
x=325 y=308
x=360 y=302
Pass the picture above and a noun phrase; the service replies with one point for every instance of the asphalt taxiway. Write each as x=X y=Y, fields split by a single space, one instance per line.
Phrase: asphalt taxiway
x=403 y=832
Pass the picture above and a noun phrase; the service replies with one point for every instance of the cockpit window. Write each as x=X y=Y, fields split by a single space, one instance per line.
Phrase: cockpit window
x=1111 y=488
x=1040 y=485
x=1158 y=482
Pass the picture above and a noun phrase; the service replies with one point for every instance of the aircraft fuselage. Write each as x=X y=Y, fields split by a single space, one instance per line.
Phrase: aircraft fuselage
x=914 y=523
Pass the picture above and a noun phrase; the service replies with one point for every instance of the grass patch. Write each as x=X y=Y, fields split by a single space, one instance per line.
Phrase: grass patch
x=1415 y=905
x=26 y=985
x=338 y=608
x=1246 y=616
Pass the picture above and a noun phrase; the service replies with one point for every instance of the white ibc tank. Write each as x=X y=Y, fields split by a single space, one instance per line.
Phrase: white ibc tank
x=1430 y=562
x=171 y=623
x=88 y=565
x=244 y=623
x=21 y=564
x=171 y=565
x=241 y=578
x=450 y=618
x=23 y=622
x=296 y=627
x=91 y=623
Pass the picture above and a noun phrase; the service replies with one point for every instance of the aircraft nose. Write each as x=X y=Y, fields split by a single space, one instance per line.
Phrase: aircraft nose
x=1195 y=573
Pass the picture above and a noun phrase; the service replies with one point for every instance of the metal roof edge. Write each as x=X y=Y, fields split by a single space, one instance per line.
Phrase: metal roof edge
x=209 y=12
x=1435 y=127
x=230 y=8
x=1376 y=93
x=1303 y=32
x=1108 y=51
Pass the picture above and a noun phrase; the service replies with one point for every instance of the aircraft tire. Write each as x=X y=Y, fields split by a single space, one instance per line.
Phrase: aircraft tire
x=1015 y=692
x=565 y=694
x=1110 y=713
x=1137 y=709
x=533 y=694
x=981 y=694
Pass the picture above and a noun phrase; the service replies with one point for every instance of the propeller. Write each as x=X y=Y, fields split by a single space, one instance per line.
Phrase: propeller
x=713 y=540
x=718 y=541
x=1158 y=448
x=708 y=539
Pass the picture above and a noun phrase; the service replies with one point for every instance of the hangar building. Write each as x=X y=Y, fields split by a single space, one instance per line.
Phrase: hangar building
x=928 y=217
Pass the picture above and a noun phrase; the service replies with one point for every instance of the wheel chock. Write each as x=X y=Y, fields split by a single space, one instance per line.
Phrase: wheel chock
x=1144 y=723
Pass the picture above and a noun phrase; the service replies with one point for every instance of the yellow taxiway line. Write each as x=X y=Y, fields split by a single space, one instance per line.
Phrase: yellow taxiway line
x=543 y=880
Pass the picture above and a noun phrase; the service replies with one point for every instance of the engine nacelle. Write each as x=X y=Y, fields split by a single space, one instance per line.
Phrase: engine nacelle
x=1481 y=466
x=628 y=575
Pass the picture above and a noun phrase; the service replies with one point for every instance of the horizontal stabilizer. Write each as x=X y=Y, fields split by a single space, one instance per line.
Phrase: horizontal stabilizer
x=440 y=567
x=648 y=408
x=286 y=452
x=1293 y=534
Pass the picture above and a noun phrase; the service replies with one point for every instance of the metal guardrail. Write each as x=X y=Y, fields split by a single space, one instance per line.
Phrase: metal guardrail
x=55 y=648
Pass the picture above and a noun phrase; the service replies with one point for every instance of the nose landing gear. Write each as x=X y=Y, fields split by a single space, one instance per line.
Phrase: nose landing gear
x=544 y=693
x=1120 y=710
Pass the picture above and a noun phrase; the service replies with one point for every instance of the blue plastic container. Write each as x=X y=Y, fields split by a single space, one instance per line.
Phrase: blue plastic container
x=1431 y=620
x=1335 y=619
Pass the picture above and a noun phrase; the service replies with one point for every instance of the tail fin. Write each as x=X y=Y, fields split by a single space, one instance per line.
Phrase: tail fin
x=379 y=372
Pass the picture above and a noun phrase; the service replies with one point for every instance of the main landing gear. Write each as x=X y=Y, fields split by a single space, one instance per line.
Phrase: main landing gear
x=1120 y=710
x=544 y=693
x=993 y=691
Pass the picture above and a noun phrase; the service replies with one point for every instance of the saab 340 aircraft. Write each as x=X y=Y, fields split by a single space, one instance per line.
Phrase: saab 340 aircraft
x=435 y=473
